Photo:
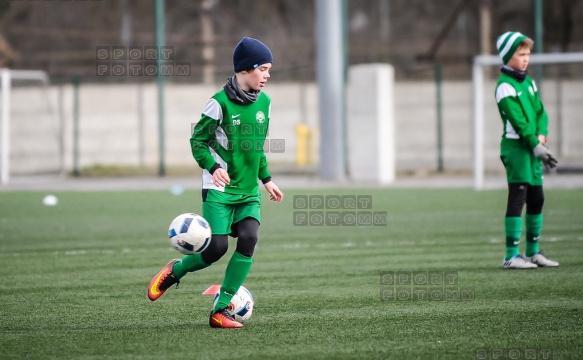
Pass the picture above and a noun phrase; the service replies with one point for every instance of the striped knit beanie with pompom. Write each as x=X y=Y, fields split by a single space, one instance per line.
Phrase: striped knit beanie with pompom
x=507 y=44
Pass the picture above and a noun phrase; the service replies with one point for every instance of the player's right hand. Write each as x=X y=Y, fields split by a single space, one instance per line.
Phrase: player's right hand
x=221 y=177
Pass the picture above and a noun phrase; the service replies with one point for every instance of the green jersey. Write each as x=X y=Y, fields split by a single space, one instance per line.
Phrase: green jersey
x=232 y=136
x=522 y=112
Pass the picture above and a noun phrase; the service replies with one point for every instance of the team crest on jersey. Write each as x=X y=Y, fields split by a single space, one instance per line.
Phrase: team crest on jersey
x=260 y=116
x=531 y=90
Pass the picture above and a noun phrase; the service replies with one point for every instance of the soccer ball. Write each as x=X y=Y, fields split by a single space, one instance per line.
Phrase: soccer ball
x=189 y=233
x=241 y=306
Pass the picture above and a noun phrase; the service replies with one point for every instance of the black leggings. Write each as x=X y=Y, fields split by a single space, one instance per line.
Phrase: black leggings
x=246 y=231
x=519 y=194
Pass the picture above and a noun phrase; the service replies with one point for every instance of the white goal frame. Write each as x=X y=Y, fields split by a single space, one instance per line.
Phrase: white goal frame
x=6 y=77
x=480 y=62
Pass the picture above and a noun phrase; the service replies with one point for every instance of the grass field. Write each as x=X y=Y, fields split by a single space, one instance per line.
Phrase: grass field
x=75 y=278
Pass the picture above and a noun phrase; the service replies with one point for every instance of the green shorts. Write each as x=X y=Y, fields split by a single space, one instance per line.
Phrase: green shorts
x=521 y=164
x=223 y=210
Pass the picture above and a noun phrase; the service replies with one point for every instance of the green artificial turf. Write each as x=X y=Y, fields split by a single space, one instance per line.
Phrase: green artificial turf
x=75 y=278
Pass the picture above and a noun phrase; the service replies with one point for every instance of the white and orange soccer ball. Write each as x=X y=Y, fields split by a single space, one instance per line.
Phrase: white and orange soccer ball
x=189 y=233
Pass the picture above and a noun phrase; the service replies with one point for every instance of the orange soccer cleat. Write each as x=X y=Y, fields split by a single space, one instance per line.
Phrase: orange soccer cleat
x=162 y=281
x=222 y=319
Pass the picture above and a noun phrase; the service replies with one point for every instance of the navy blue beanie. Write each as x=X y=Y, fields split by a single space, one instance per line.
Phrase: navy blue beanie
x=250 y=53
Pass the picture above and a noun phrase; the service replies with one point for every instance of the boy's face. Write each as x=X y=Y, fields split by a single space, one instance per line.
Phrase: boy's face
x=519 y=61
x=257 y=78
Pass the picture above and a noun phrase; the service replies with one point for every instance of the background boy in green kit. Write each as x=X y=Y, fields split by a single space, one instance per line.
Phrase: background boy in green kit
x=227 y=143
x=522 y=151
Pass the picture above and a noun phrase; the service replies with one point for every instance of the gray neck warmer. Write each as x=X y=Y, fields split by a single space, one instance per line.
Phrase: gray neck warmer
x=238 y=95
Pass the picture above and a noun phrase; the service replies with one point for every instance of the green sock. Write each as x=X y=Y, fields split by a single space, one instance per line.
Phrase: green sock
x=189 y=263
x=236 y=273
x=513 y=228
x=534 y=225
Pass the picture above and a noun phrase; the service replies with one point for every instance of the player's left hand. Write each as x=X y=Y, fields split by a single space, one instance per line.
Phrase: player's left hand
x=542 y=139
x=274 y=193
x=545 y=155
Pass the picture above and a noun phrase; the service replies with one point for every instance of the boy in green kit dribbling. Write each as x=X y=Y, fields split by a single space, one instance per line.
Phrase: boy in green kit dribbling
x=227 y=143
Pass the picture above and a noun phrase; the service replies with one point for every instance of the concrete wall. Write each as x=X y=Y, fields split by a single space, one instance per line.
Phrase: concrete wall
x=110 y=124
x=371 y=129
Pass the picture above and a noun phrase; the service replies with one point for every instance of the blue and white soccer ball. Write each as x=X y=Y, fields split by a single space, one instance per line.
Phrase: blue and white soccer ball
x=241 y=306
x=189 y=233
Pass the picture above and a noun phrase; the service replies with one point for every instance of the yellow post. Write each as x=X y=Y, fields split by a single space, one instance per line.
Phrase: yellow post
x=303 y=140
